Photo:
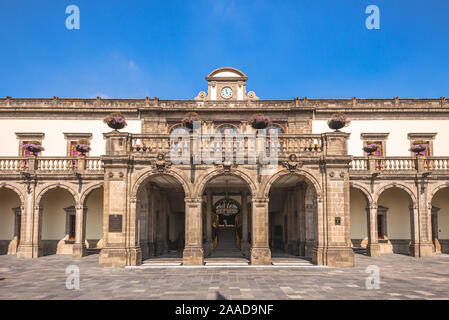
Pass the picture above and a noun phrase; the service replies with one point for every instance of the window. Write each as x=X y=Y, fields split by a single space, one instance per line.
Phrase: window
x=26 y=137
x=378 y=139
x=72 y=139
x=428 y=137
x=70 y=223
x=381 y=222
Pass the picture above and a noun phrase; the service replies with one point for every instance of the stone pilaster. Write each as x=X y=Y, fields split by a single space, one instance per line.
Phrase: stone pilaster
x=121 y=246
x=79 y=247
x=333 y=247
x=193 y=253
x=260 y=251
x=245 y=244
x=373 y=247
x=208 y=244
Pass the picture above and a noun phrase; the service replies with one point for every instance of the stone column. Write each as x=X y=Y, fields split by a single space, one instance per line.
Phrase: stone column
x=245 y=244
x=79 y=247
x=333 y=247
x=193 y=253
x=421 y=240
x=208 y=244
x=373 y=247
x=121 y=246
x=260 y=250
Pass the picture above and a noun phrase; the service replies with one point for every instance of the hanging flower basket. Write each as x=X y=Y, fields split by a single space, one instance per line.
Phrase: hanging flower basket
x=34 y=147
x=370 y=148
x=259 y=121
x=338 y=121
x=83 y=146
x=115 y=120
x=189 y=119
x=419 y=146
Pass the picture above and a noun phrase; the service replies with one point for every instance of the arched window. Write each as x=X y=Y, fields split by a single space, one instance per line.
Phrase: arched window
x=280 y=129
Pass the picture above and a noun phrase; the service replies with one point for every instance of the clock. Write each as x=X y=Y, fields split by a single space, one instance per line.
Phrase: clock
x=226 y=92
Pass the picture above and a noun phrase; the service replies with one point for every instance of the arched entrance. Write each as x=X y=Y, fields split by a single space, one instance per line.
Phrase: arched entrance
x=394 y=220
x=93 y=207
x=160 y=215
x=226 y=217
x=292 y=216
x=10 y=221
x=359 y=209
x=440 y=220
x=58 y=221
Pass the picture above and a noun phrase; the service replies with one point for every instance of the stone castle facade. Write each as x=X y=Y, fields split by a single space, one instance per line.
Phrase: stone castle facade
x=320 y=202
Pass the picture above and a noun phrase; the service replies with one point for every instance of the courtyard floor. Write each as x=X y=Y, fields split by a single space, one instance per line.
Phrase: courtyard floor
x=401 y=277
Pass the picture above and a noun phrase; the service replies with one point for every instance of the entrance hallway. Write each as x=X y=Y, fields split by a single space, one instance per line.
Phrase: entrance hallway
x=227 y=251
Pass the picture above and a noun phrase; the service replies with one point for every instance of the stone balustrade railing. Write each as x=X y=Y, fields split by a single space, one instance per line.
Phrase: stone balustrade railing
x=51 y=164
x=247 y=143
x=399 y=164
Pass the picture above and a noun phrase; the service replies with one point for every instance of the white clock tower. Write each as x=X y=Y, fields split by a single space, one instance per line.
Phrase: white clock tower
x=226 y=84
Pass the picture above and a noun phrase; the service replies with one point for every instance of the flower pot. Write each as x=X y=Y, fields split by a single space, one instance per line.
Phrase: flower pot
x=259 y=125
x=116 y=125
x=188 y=125
x=418 y=149
x=336 y=125
x=370 y=150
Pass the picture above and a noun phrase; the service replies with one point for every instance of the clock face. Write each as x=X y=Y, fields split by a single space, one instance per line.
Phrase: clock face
x=226 y=92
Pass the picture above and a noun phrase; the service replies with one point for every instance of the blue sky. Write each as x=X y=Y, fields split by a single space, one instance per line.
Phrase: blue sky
x=165 y=48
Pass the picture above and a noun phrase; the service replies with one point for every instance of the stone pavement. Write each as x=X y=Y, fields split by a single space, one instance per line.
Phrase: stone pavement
x=402 y=277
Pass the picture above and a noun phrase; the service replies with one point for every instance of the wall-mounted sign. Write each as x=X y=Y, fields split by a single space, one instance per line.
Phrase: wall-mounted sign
x=115 y=223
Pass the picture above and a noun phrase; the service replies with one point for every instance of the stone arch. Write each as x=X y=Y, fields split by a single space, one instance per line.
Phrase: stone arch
x=410 y=193
x=88 y=191
x=265 y=189
x=364 y=191
x=15 y=190
x=41 y=194
x=146 y=176
x=215 y=173
x=438 y=188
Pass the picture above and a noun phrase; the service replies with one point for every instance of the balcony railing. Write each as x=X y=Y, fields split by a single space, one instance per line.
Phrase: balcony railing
x=310 y=144
x=51 y=164
x=399 y=164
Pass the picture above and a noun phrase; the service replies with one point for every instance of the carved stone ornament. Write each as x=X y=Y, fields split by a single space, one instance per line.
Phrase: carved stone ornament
x=293 y=163
x=226 y=166
x=161 y=164
x=201 y=96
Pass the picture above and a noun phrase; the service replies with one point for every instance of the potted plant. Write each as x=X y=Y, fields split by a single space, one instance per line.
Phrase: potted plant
x=419 y=146
x=115 y=120
x=189 y=119
x=259 y=121
x=370 y=148
x=34 y=147
x=83 y=146
x=338 y=121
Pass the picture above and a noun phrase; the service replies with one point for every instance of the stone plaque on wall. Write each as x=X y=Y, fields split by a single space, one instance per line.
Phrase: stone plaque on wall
x=115 y=223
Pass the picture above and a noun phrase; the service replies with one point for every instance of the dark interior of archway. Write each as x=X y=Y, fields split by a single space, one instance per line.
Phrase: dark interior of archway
x=225 y=234
x=10 y=213
x=160 y=211
x=291 y=222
